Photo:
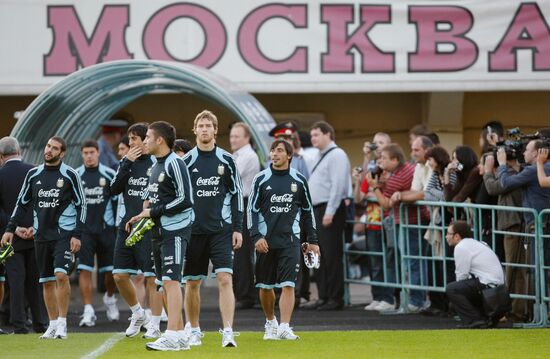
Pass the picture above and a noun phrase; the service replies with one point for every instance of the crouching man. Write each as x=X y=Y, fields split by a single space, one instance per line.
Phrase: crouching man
x=477 y=268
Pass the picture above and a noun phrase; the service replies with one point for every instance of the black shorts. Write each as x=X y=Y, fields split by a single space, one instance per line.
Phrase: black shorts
x=279 y=267
x=203 y=248
x=169 y=248
x=133 y=259
x=53 y=257
x=102 y=244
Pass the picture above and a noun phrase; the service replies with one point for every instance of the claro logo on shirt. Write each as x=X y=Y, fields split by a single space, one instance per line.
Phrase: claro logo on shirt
x=281 y=203
x=51 y=198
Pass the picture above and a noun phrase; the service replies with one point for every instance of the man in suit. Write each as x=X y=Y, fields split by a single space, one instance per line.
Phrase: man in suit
x=21 y=268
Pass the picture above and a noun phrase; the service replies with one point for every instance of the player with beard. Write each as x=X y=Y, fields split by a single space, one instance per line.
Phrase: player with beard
x=131 y=180
x=279 y=201
x=169 y=203
x=54 y=193
x=217 y=229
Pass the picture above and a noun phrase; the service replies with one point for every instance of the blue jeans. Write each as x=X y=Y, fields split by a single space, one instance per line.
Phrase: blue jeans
x=416 y=268
x=374 y=244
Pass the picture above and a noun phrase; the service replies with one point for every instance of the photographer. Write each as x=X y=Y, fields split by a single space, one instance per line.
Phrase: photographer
x=382 y=296
x=509 y=221
x=468 y=179
x=544 y=181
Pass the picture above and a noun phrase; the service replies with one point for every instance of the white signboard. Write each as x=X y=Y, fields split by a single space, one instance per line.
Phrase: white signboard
x=291 y=46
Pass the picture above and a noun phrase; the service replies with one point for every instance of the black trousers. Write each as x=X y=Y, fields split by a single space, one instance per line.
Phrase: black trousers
x=22 y=276
x=465 y=297
x=243 y=267
x=330 y=275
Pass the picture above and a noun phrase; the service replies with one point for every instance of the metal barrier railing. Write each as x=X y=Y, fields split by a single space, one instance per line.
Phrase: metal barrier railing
x=544 y=260
x=413 y=262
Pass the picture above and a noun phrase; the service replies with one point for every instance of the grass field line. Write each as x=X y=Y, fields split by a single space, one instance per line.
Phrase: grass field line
x=103 y=348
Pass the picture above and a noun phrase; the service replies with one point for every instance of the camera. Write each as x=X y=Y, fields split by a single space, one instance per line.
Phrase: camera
x=358 y=169
x=516 y=142
x=459 y=166
x=376 y=171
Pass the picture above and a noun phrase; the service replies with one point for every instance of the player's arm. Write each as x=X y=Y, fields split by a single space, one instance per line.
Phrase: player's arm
x=23 y=202
x=118 y=184
x=177 y=171
x=309 y=219
x=79 y=200
x=237 y=202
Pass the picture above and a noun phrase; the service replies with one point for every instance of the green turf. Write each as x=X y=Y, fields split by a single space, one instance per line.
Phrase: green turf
x=470 y=344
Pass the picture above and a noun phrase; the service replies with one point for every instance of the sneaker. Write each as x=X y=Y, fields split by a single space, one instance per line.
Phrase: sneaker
x=152 y=332
x=164 y=344
x=113 y=315
x=271 y=330
x=88 y=319
x=61 y=331
x=183 y=342
x=372 y=305
x=195 y=335
x=137 y=320
x=411 y=308
x=228 y=338
x=285 y=333
x=384 y=306
x=138 y=231
x=49 y=333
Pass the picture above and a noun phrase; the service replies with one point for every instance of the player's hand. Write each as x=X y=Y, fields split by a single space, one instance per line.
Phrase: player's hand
x=327 y=220
x=24 y=233
x=133 y=154
x=261 y=246
x=75 y=245
x=542 y=157
x=237 y=240
x=314 y=248
x=7 y=238
x=146 y=213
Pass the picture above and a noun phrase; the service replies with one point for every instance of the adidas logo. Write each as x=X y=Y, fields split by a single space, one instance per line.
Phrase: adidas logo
x=39 y=182
x=195 y=170
x=169 y=271
x=268 y=188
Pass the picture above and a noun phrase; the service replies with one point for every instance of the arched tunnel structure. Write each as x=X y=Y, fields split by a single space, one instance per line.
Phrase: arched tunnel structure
x=75 y=107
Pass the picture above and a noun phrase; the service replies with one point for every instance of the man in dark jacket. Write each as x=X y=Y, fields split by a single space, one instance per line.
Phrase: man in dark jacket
x=21 y=269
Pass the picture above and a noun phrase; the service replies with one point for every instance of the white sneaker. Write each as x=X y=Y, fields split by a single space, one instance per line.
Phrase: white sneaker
x=152 y=332
x=137 y=320
x=411 y=308
x=195 y=335
x=372 y=305
x=61 y=331
x=284 y=332
x=228 y=338
x=183 y=342
x=271 y=330
x=163 y=344
x=88 y=318
x=49 y=333
x=112 y=312
x=384 y=306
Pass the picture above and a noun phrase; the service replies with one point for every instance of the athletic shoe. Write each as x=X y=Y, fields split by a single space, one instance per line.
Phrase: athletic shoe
x=112 y=312
x=271 y=330
x=49 y=333
x=194 y=334
x=372 y=305
x=164 y=344
x=411 y=308
x=183 y=342
x=284 y=332
x=228 y=338
x=138 y=231
x=152 y=332
x=61 y=331
x=6 y=252
x=88 y=318
x=137 y=320
x=384 y=306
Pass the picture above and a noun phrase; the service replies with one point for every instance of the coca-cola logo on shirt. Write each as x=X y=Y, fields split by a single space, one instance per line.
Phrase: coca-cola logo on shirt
x=140 y=181
x=284 y=198
x=54 y=192
x=210 y=181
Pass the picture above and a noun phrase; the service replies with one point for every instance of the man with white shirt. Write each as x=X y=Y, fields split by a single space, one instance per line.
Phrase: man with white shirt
x=330 y=184
x=248 y=166
x=477 y=268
